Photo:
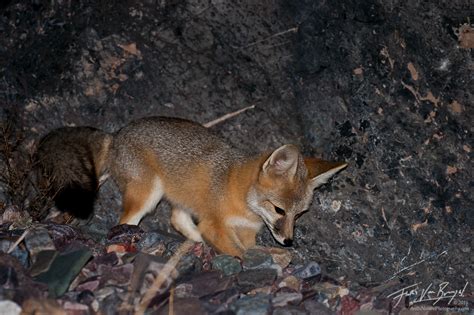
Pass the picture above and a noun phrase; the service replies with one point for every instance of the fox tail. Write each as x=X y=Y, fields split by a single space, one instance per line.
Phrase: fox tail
x=71 y=163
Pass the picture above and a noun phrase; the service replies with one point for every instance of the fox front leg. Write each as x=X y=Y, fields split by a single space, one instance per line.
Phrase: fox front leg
x=222 y=238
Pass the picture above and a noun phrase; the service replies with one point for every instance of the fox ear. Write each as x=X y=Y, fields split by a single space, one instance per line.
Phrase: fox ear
x=320 y=171
x=283 y=161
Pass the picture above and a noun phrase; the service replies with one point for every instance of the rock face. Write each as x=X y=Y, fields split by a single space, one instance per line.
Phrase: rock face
x=383 y=85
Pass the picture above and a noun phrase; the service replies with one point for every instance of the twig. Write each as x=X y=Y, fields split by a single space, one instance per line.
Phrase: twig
x=385 y=218
x=227 y=116
x=18 y=241
x=163 y=275
x=291 y=30
x=171 y=303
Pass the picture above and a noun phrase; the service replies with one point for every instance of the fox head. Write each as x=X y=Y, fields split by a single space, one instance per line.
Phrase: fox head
x=284 y=189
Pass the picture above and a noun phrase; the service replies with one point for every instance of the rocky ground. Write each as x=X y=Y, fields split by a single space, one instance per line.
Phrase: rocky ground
x=384 y=85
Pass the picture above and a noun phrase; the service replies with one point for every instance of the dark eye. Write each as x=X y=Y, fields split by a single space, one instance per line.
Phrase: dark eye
x=280 y=211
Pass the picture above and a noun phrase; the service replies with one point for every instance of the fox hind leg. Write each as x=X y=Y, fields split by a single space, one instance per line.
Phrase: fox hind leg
x=140 y=197
x=183 y=223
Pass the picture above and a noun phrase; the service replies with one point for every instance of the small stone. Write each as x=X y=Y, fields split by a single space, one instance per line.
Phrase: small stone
x=316 y=308
x=88 y=286
x=285 y=298
x=76 y=308
x=257 y=278
x=184 y=290
x=289 y=310
x=257 y=259
x=38 y=240
x=10 y=308
x=86 y=297
x=280 y=256
x=290 y=282
x=227 y=264
x=14 y=214
x=189 y=305
x=43 y=262
x=207 y=283
x=19 y=253
x=146 y=267
x=63 y=270
x=152 y=243
x=118 y=248
x=265 y=290
x=256 y=305
x=349 y=305
x=103 y=293
x=125 y=234
x=311 y=269
x=219 y=302
x=330 y=290
x=188 y=264
x=116 y=276
x=62 y=235
x=336 y=205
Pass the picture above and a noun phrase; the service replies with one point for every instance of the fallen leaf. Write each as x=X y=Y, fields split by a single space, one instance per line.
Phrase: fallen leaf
x=358 y=71
x=416 y=226
x=455 y=107
x=413 y=72
x=450 y=170
x=131 y=49
x=466 y=36
x=431 y=98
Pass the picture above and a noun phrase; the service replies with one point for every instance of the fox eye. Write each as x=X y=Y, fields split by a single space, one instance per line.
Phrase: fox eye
x=280 y=211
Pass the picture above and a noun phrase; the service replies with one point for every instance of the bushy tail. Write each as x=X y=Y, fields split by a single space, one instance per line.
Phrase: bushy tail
x=72 y=160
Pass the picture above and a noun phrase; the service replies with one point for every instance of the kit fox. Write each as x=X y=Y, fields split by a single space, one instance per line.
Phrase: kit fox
x=219 y=194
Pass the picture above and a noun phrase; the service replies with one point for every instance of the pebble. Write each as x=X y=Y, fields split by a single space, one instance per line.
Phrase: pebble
x=258 y=304
x=9 y=308
x=252 y=279
x=227 y=264
x=38 y=240
x=63 y=270
x=116 y=276
x=311 y=269
x=257 y=259
x=43 y=262
x=285 y=298
x=289 y=310
x=210 y=282
x=188 y=305
x=290 y=282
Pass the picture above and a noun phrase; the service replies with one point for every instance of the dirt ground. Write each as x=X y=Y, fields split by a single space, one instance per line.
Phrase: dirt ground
x=385 y=85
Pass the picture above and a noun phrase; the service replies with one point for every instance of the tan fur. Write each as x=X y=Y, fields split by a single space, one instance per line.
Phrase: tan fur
x=219 y=194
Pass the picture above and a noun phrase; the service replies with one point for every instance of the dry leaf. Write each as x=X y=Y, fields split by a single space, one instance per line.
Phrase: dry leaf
x=358 y=71
x=466 y=36
x=416 y=226
x=450 y=170
x=455 y=107
x=131 y=49
x=413 y=72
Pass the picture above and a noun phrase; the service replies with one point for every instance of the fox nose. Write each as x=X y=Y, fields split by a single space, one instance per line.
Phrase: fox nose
x=288 y=242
